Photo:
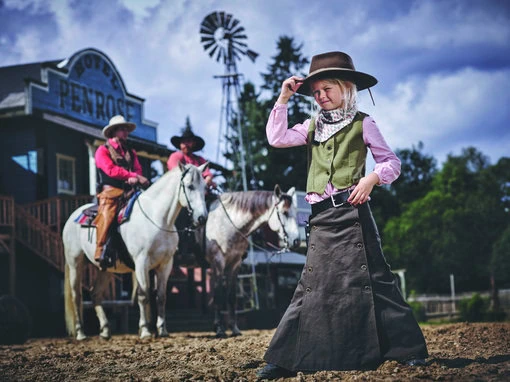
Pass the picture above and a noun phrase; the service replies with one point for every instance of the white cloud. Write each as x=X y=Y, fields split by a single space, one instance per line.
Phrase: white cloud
x=448 y=112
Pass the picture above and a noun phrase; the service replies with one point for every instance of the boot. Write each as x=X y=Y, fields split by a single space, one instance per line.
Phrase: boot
x=106 y=213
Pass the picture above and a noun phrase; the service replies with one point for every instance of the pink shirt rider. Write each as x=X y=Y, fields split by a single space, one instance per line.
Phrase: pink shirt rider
x=105 y=162
x=387 y=165
x=179 y=156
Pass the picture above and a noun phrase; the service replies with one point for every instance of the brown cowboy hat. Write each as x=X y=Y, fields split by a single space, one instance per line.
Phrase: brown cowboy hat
x=188 y=134
x=116 y=121
x=335 y=65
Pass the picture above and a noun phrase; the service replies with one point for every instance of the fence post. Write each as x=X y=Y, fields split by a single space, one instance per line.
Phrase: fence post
x=452 y=289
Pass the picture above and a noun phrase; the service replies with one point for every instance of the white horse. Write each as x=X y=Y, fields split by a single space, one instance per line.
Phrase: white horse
x=232 y=218
x=151 y=240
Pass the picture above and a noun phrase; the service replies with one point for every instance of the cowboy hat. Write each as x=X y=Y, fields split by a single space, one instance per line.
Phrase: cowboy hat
x=188 y=134
x=335 y=65
x=116 y=121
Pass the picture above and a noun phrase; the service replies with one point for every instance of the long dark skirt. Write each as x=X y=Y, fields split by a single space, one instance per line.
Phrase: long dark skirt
x=347 y=312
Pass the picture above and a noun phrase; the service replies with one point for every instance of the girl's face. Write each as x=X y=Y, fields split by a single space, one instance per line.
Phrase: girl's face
x=327 y=94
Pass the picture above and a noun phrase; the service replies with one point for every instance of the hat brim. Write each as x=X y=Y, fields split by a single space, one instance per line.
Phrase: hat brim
x=360 y=79
x=199 y=142
x=108 y=130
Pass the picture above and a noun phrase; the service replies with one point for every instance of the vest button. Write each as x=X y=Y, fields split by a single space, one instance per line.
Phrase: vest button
x=359 y=245
x=308 y=290
x=329 y=147
x=363 y=267
x=310 y=269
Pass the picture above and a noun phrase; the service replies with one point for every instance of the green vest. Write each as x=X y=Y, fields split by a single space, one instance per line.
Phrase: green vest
x=340 y=159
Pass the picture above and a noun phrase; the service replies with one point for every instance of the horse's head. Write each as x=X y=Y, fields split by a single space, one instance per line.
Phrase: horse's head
x=192 y=192
x=284 y=218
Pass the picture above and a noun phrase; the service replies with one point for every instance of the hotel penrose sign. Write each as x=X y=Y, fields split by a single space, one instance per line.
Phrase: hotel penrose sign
x=87 y=87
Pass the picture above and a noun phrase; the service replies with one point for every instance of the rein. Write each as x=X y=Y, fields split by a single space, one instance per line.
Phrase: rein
x=285 y=239
x=190 y=209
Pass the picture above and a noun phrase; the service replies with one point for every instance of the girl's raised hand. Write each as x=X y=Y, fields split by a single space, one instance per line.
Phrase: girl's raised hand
x=289 y=87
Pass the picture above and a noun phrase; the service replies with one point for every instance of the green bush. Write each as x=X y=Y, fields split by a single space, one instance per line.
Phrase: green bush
x=473 y=309
x=418 y=311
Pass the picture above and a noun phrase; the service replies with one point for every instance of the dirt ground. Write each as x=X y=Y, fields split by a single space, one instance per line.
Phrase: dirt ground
x=458 y=352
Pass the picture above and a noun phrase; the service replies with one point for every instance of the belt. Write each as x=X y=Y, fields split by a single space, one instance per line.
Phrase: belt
x=335 y=200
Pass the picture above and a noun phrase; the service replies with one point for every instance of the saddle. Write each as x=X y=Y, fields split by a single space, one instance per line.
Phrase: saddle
x=115 y=248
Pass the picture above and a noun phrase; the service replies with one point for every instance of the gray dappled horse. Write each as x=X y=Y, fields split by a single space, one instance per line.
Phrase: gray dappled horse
x=151 y=240
x=232 y=218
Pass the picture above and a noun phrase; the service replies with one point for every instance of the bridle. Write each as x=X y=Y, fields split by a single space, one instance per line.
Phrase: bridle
x=286 y=247
x=188 y=206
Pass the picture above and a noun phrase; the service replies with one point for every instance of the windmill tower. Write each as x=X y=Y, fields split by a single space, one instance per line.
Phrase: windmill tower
x=222 y=37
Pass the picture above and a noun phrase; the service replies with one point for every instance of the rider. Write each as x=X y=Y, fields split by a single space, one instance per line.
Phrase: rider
x=119 y=170
x=188 y=143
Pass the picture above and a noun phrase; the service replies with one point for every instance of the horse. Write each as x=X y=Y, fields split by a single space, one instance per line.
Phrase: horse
x=233 y=217
x=151 y=240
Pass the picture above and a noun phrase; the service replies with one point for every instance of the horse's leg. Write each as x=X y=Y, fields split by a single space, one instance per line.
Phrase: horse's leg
x=232 y=297
x=217 y=262
x=97 y=295
x=142 y=275
x=162 y=274
x=74 y=305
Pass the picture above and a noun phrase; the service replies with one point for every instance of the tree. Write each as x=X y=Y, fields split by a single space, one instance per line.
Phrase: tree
x=287 y=167
x=415 y=180
x=451 y=229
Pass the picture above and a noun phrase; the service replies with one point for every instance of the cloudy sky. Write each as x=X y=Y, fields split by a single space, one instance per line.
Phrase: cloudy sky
x=443 y=65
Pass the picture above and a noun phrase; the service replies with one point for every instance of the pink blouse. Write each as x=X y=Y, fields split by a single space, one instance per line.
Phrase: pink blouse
x=387 y=164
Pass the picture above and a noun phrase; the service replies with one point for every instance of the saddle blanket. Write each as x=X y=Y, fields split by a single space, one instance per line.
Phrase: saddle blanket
x=86 y=218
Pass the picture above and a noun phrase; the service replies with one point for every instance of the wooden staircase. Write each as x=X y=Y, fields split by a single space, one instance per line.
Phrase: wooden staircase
x=38 y=226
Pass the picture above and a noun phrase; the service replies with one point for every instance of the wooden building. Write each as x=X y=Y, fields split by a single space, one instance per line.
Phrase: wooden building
x=51 y=117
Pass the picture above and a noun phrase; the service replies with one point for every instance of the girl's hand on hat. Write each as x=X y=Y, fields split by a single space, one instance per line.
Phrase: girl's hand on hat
x=361 y=192
x=289 y=87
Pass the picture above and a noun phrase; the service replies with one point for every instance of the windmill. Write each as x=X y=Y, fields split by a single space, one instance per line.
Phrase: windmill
x=222 y=37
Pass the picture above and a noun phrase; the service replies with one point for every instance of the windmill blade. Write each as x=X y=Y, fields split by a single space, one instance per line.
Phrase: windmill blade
x=252 y=55
x=213 y=50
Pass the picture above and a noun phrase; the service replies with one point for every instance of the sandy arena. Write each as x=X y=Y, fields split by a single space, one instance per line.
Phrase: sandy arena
x=458 y=352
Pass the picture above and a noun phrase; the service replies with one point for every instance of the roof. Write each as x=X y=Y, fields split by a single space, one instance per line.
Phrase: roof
x=13 y=77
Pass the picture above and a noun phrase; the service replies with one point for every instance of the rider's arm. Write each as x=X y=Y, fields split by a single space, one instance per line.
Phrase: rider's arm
x=137 y=167
x=174 y=159
x=278 y=133
x=105 y=163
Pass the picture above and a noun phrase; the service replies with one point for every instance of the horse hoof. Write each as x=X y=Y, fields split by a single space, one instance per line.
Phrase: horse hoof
x=81 y=337
x=105 y=337
x=162 y=333
x=145 y=334
x=221 y=335
x=236 y=334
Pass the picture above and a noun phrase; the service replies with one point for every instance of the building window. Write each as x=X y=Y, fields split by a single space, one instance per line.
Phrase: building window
x=31 y=161
x=66 y=175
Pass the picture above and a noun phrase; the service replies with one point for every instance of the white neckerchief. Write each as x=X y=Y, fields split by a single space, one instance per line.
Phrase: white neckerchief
x=329 y=122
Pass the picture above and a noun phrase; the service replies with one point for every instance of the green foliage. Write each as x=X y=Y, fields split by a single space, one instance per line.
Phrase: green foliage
x=452 y=227
x=473 y=309
x=267 y=165
x=418 y=311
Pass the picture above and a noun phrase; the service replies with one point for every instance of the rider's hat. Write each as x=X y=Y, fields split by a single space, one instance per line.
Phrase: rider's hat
x=335 y=65
x=116 y=121
x=188 y=134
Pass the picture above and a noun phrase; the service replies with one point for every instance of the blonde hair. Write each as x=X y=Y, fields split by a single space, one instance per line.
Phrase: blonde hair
x=349 y=91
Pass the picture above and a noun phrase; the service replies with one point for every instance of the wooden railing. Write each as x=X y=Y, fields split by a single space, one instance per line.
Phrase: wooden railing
x=55 y=211
x=43 y=239
x=6 y=211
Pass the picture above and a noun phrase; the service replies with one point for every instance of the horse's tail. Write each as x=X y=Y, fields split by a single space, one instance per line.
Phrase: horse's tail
x=70 y=314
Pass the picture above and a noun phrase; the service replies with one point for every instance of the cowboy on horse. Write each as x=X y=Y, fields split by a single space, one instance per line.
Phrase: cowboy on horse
x=119 y=171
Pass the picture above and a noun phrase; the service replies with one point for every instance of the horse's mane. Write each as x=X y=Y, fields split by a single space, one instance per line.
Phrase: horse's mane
x=255 y=202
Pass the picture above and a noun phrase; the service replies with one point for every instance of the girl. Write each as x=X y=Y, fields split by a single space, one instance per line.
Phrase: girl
x=347 y=312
